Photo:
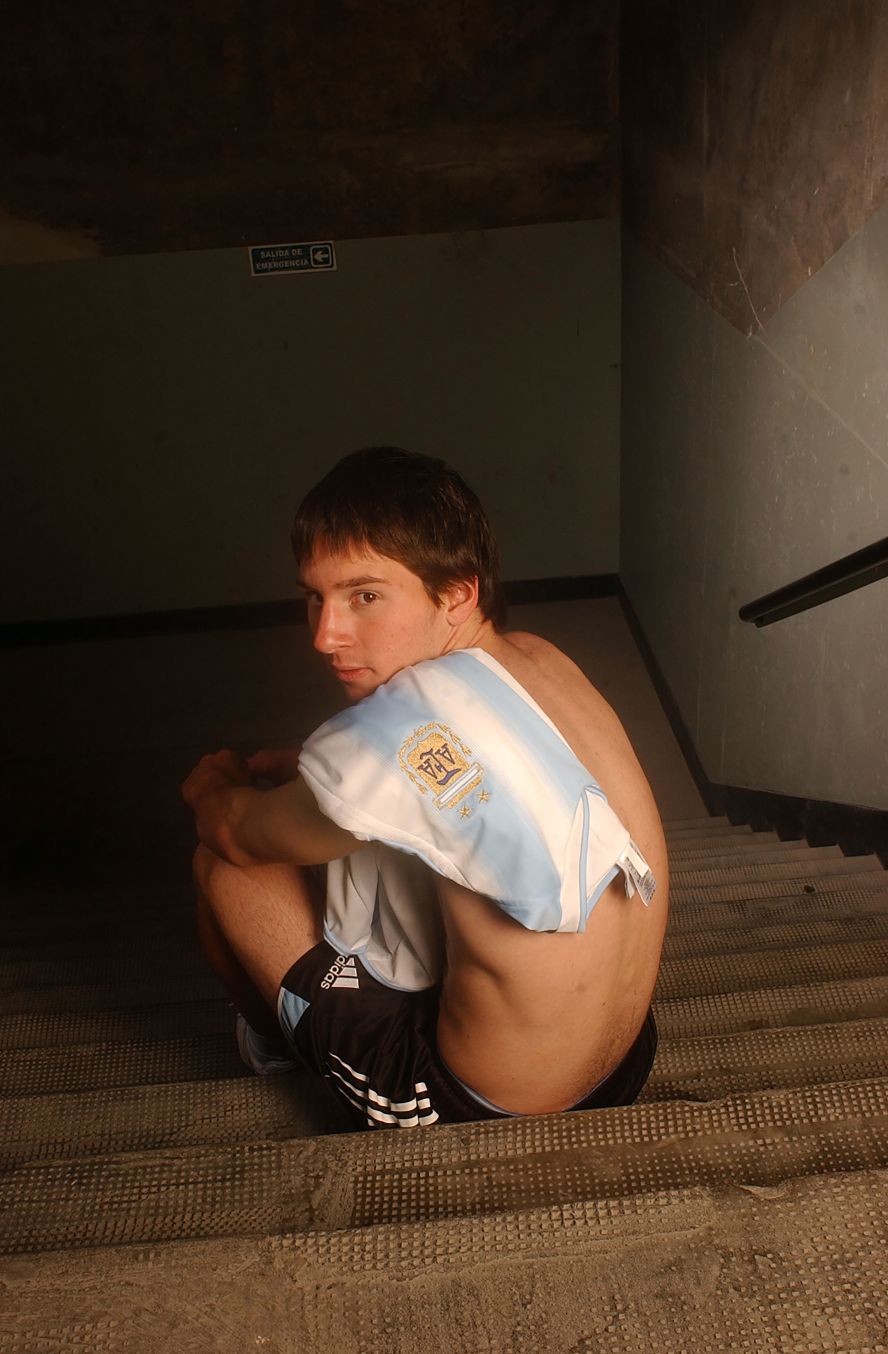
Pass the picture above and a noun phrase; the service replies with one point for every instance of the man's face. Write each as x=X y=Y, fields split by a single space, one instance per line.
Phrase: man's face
x=370 y=617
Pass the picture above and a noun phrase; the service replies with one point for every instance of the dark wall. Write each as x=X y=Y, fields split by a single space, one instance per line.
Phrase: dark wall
x=754 y=140
x=162 y=126
x=755 y=376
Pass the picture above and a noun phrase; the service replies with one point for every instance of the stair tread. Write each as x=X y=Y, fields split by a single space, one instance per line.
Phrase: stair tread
x=59 y=1030
x=731 y=1269
x=772 y=870
x=730 y=841
x=709 y=820
x=142 y=1117
x=185 y=1113
x=744 y=970
x=366 y=1179
x=701 y=826
x=776 y=934
x=708 y=1066
x=752 y=889
x=772 y=1007
x=113 y=1063
x=746 y=913
x=758 y=855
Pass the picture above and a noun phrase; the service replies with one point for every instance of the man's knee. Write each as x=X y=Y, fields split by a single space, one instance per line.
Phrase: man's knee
x=203 y=867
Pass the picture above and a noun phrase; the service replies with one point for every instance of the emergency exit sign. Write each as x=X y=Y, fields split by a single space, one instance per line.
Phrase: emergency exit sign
x=319 y=256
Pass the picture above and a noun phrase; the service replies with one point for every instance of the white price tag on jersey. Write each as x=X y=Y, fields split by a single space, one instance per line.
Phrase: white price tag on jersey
x=638 y=874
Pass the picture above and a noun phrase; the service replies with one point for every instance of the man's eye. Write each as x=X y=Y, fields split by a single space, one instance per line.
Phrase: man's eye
x=365 y=598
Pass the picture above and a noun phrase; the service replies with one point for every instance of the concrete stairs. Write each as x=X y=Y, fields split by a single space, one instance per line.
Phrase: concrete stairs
x=156 y=1196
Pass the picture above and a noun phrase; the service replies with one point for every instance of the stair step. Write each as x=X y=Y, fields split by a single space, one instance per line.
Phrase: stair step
x=771 y=1007
x=716 y=844
x=728 y=1269
x=703 y=830
x=752 y=890
x=53 y=966
x=778 y=935
x=34 y=1071
x=367 y=1179
x=711 y=1066
x=754 y=855
x=774 y=870
x=110 y=990
x=80 y=1067
x=751 y=913
x=682 y=824
x=745 y=970
x=139 y=1118
x=130 y=1024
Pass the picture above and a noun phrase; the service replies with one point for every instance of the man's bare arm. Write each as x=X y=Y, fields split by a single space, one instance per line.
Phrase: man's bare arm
x=246 y=826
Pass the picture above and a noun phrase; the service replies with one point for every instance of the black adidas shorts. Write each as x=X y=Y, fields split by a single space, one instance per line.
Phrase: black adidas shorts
x=376 y=1046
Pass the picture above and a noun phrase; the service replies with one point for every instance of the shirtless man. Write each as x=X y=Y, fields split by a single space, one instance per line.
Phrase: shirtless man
x=419 y=998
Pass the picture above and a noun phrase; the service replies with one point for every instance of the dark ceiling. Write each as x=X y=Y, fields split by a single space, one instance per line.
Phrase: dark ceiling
x=162 y=126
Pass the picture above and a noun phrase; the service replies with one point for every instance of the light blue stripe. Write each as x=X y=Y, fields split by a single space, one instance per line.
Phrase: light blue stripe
x=567 y=774
x=596 y=894
x=291 y=1009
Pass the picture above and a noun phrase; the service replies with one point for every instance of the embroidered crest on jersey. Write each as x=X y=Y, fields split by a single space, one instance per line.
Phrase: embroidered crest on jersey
x=437 y=760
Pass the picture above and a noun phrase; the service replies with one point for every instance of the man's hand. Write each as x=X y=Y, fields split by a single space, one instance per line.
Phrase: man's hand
x=248 y=826
x=279 y=765
x=215 y=773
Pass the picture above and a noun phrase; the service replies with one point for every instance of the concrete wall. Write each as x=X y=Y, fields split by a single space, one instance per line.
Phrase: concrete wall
x=165 y=413
x=755 y=398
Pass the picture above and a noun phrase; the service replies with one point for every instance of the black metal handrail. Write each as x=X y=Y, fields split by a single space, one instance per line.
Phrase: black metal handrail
x=843 y=575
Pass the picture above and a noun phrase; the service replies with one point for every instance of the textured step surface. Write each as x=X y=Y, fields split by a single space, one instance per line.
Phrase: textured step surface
x=695 y=827
x=363 y=1180
x=771 y=1007
x=753 y=855
x=61 y=1029
x=750 y=890
x=694 y=877
x=686 y=824
x=748 y=914
x=63 y=1065
x=141 y=1117
x=711 y=1066
x=182 y=1114
x=795 y=1268
x=40 y=1071
x=789 y=935
x=747 y=970
x=109 y=990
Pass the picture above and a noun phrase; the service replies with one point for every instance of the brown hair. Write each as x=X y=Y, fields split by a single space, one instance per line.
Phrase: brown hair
x=407 y=507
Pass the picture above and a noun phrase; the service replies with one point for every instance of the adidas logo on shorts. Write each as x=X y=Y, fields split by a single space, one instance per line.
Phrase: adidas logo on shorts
x=343 y=972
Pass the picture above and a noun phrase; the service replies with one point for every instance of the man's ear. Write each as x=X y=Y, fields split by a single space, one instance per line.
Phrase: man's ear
x=459 y=600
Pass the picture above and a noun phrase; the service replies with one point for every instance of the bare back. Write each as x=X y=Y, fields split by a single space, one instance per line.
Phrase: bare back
x=534 y=1020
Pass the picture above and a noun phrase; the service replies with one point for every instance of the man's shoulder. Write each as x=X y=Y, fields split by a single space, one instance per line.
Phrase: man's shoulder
x=534 y=646
x=537 y=655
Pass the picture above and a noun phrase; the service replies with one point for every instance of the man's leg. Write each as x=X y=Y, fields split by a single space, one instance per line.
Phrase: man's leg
x=254 y=923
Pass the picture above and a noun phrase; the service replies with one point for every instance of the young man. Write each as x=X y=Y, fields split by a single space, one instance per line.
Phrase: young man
x=486 y=936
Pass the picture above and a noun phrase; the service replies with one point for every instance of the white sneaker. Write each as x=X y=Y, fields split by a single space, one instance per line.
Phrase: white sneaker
x=263 y=1055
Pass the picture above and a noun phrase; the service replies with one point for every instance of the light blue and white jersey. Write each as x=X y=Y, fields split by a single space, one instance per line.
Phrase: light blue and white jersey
x=452 y=764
